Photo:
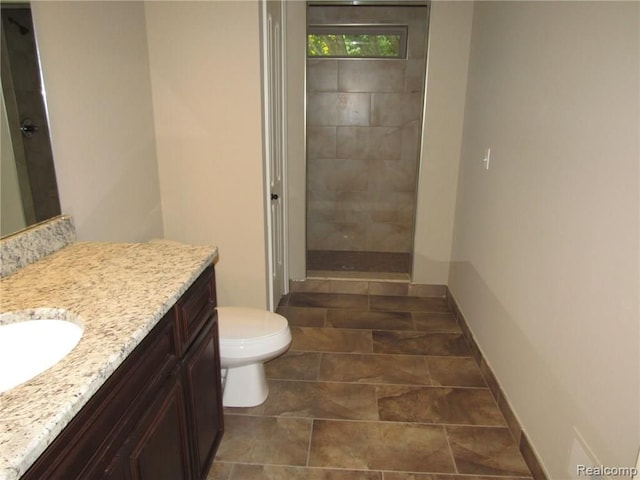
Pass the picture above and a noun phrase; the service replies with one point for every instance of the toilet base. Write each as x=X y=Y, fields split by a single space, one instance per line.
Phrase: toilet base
x=245 y=386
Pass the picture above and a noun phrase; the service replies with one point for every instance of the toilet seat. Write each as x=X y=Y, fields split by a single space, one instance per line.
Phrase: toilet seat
x=239 y=325
x=249 y=334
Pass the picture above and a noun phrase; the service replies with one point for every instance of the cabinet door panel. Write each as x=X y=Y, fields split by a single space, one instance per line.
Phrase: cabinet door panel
x=202 y=379
x=116 y=469
x=160 y=448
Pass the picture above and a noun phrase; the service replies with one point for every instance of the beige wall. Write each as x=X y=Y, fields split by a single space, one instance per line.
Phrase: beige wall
x=205 y=72
x=447 y=63
x=99 y=72
x=96 y=75
x=545 y=254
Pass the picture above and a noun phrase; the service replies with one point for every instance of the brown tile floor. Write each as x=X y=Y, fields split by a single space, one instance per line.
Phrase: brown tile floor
x=372 y=388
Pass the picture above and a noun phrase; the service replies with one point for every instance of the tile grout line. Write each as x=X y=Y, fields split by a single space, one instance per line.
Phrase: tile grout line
x=453 y=457
x=376 y=384
x=386 y=422
x=313 y=420
x=319 y=368
x=426 y=363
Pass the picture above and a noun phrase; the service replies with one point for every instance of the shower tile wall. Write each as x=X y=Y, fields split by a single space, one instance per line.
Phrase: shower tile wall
x=364 y=120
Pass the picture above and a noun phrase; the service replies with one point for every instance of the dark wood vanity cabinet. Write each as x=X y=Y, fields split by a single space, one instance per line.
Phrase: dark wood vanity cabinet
x=159 y=416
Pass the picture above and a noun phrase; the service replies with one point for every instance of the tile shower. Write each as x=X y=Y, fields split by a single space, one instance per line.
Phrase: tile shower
x=364 y=120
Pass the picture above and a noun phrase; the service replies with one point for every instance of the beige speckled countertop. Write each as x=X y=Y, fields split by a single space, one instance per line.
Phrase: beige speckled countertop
x=118 y=292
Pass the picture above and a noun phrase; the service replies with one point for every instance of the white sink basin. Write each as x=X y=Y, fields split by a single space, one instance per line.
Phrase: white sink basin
x=33 y=341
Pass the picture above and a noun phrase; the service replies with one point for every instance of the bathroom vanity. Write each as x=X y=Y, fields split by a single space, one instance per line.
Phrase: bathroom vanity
x=159 y=415
x=139 y=397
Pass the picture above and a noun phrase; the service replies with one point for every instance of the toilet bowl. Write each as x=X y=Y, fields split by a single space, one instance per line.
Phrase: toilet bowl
x=248 y=338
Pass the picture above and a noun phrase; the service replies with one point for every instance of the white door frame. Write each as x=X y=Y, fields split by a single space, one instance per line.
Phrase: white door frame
x=277 y=281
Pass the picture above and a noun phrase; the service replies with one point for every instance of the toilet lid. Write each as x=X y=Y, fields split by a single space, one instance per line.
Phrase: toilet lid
x=240 y=323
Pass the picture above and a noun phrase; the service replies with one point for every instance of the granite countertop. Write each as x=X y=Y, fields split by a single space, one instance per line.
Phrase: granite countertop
x=117 y=292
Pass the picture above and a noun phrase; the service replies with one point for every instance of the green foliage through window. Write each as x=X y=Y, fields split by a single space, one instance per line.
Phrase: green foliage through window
x=356 y=42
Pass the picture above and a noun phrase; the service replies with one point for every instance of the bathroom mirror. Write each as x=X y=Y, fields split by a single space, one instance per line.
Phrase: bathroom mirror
x=29 y=192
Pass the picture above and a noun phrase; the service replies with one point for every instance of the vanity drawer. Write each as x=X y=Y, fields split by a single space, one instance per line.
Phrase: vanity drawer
x=195 y=308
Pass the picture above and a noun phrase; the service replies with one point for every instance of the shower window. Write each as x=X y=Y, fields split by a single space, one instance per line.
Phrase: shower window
x=356 y=41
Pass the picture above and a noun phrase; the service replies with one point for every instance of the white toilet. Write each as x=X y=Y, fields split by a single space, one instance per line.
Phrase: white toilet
x=248 y=338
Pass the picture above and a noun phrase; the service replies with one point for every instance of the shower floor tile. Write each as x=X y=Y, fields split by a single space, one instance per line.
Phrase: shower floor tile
x=355 y=264
x=370 y=389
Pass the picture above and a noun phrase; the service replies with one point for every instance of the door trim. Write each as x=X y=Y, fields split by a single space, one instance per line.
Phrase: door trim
x=266 y=128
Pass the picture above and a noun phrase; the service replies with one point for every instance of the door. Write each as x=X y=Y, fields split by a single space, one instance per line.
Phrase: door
x=273 y=15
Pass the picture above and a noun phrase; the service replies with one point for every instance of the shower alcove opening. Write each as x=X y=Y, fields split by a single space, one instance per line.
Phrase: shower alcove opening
x=364 y=124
